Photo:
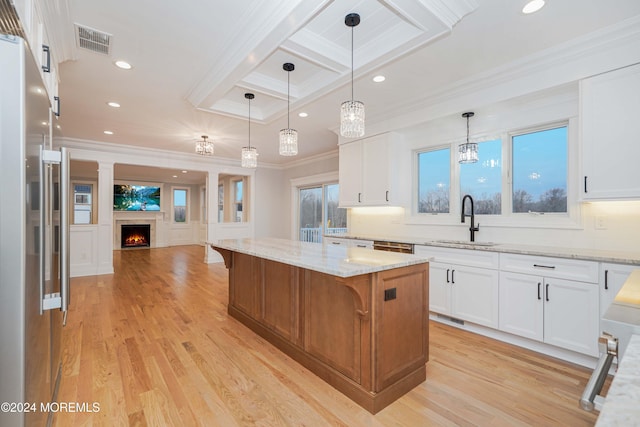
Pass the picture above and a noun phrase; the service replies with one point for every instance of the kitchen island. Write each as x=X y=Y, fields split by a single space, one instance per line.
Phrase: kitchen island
x=356 y=317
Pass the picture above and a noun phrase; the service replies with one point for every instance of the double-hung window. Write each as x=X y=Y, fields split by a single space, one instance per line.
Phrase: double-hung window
x=180 y=203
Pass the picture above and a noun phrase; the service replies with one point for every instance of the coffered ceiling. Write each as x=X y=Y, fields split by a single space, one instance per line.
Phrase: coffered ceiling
x=193 y=61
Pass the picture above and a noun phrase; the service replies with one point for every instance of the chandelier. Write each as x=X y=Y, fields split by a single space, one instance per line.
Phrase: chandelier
x=249 y=156
x=352 y=112
x=204 y=147
x=468 y=152
x=288 y=136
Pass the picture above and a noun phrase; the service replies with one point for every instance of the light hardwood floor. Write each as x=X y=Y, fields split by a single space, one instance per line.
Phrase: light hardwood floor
x=153 y=345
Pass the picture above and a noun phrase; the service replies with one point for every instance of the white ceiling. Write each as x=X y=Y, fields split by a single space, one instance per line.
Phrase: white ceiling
x=193 y=61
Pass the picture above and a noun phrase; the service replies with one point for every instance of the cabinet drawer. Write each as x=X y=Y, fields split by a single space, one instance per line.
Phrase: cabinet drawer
x=561 y=268
x=468 y=257
x=348 y=243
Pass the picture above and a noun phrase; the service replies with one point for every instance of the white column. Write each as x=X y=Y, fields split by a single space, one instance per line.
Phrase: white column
x=105 y=217
x=210 y=255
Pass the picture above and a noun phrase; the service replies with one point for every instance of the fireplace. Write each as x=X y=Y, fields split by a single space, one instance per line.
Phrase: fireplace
x=135 y=236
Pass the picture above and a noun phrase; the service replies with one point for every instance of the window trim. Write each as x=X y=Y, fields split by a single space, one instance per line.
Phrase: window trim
x=186 y=208
x=572 y=219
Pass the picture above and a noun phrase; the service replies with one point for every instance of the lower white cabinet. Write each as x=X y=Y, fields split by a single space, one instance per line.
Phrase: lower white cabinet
x=612 y=277
x=560 y=312
x=463 y=292
x=348 y=242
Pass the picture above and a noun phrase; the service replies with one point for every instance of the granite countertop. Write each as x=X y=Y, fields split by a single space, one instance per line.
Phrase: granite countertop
x=335 y=260
x=618 y=257
x=622 y=403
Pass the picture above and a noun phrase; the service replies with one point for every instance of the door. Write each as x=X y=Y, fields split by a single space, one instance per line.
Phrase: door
x=319 y=214
x=474 y=295
x=571 y=315
x=521 y=305
x=439 y=288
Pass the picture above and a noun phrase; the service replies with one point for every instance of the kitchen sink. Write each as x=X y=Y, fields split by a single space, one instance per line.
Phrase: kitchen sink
x=463 y=242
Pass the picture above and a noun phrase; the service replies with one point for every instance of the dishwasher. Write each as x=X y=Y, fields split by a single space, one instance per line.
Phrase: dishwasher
x=405 y=248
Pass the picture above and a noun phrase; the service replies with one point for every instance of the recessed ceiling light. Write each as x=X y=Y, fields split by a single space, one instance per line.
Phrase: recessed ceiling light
x=303 y=114
x=184 y=171
x=108 y=132
x=533 y=6
x=123 y=64
x=45 y=123
x=113 y=104
x=379 y=79
x=175 y=176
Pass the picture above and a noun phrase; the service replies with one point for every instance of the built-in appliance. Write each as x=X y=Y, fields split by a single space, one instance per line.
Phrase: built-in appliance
x=405 y=248
x=34 y=263
x=620 y=321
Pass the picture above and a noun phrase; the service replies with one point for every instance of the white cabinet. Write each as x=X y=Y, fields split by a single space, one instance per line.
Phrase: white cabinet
x=348 y=242
x=612 y=277
x=463 y=284
x=542 y=298
x=609 y=126
x=365 y=172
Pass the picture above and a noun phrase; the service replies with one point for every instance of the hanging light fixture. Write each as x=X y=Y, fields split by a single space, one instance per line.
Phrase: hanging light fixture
x=288 y=136
x=249 y=157
x=352 y=112
x=204 y=147
x=468 y=152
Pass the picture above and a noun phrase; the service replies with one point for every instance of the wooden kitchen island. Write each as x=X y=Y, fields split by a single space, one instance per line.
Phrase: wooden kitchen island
x=356 y=317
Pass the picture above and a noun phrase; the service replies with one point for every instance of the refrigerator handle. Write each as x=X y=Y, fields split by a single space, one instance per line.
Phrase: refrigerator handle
x=64 y=231
x=43 y=221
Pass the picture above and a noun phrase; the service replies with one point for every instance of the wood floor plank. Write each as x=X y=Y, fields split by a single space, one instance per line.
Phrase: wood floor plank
x=154 y=346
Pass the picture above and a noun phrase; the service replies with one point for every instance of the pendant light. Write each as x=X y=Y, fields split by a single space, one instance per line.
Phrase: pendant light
x=204 y=147
x=288 y=136
x=352 y=112
x=249 y=157
x=468 y=152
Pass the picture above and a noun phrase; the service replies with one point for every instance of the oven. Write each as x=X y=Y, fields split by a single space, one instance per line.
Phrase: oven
x=405 y=248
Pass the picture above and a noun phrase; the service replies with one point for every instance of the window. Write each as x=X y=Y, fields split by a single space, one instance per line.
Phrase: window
x=220 y=203
x=180 y=197
x=319 y=213
x=237 y=204
x=434 y=181
x=82 y=203
x=483 y=180
x=540 y=171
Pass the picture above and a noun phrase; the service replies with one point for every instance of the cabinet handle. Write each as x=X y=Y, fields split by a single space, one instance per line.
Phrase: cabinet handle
x=585 y=183
x=359 y=201
x=547 y=292
x=361 y=246
x=47 y=67
x=539 y=286
x=448 y=275
x=336 y=243
x=452 y=280
x=57 y=111
x=386 y=196
x=606 y=280
x=551 y=267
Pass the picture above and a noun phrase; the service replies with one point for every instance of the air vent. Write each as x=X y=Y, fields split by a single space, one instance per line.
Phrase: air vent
x=9 y=21
x=93 y=40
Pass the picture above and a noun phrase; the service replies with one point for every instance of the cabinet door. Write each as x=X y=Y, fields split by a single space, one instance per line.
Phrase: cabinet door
x=439 y=288
x=521 y=305
x=375 y=185
x=350 y=174
x=474 y=295
x=612 y=277
x=609 y=129
x=571 y=315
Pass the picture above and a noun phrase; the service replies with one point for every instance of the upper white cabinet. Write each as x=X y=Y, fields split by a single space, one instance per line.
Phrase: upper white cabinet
x=366 y=172
x=609 y=128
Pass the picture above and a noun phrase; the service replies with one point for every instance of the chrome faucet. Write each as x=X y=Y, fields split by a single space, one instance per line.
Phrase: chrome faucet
x=473 y=228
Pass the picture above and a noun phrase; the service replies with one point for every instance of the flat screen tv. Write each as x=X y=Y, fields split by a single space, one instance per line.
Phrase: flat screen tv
x=136 y=198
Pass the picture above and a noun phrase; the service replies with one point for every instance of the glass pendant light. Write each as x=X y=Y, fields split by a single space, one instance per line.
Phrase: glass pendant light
x=204 y=147
x=352 y=112
x=249 y=156
x=468 y=152
x=288 y=136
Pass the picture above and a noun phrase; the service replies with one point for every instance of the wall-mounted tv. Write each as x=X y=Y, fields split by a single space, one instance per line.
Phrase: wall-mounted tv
x=136 y=198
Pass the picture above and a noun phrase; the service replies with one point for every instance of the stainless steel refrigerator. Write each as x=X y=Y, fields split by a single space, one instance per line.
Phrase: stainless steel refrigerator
x=34 y=267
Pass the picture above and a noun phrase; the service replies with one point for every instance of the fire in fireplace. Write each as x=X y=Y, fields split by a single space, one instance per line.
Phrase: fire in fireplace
x=135 y=235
